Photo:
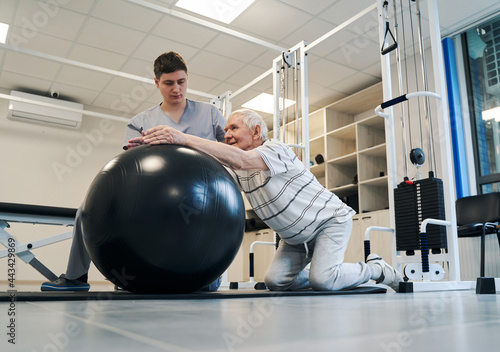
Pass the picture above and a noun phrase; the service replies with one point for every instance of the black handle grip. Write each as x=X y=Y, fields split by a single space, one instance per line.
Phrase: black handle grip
x=389 y=49
x=251 y=265
x=394 y=101
x=367 y=248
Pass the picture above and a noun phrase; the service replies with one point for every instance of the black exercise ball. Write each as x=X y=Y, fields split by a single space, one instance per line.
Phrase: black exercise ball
x=163 y=219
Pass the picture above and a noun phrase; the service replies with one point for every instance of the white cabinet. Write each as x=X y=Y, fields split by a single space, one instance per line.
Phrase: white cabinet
x=380 y=242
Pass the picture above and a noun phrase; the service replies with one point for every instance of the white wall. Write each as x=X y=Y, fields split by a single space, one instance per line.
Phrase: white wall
x=51 y=166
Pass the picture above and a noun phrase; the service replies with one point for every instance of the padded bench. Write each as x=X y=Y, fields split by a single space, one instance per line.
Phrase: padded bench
x=34 y=214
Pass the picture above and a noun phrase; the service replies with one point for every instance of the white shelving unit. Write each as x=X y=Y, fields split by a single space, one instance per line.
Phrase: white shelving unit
x=351 y=139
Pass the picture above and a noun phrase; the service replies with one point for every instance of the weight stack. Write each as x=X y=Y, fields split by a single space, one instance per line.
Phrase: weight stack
x=431 y=196
x=413 y=203
x=406 y=216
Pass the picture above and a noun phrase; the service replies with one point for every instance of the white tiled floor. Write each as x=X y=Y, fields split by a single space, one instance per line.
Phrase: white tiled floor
x=438 y=321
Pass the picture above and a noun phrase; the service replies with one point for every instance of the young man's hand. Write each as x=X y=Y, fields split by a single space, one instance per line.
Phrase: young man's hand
x=164 y=135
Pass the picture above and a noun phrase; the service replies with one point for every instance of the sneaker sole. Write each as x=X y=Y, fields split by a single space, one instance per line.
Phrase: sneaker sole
x=64 y=288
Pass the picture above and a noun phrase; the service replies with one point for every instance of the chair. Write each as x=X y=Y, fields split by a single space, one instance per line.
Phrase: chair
x=478 y=216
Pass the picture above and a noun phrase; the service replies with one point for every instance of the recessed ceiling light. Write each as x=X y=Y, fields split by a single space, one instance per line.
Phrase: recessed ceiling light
x=265 y=102
x=4 y=28
x=221 y=10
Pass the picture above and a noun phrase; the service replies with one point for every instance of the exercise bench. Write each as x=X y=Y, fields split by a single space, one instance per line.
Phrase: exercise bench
x=34 y=214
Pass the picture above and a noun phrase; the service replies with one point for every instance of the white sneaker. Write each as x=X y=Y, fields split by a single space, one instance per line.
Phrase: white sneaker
x=390 y=276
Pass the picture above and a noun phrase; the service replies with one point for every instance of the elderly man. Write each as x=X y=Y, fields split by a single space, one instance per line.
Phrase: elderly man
x=313 y=223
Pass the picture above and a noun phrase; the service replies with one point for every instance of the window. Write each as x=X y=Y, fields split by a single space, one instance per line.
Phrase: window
x=482 y=53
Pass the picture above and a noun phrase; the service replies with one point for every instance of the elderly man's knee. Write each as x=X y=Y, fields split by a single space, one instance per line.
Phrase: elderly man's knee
x=274 y=282
x=319 y=285
x=323 y=281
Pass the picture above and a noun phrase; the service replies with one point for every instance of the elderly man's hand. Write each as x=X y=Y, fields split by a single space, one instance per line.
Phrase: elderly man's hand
x=135 y=142
x=163 y=135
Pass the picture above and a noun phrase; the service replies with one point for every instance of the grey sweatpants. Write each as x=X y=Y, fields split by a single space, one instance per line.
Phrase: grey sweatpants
x=79 y=260
x=325 y=252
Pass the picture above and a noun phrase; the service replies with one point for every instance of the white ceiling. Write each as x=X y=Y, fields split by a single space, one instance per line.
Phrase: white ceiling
x=85 y=48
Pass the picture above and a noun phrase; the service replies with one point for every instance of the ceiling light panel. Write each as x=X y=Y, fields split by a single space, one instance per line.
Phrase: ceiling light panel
x=221 y=10
x=265 y=103
x=4 y=29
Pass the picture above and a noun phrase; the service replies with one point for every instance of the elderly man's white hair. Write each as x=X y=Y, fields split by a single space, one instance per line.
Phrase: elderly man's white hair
x=252 y=119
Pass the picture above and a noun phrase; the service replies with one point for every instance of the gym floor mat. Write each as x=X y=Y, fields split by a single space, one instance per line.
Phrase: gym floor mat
x=222 y=294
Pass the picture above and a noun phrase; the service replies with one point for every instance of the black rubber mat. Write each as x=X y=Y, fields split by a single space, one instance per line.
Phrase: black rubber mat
x=222 y=294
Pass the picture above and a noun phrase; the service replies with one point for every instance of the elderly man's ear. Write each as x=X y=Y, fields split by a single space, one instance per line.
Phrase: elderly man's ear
x=256 y=132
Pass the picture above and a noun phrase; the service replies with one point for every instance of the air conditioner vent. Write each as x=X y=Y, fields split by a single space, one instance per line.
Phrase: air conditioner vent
x=51 y=111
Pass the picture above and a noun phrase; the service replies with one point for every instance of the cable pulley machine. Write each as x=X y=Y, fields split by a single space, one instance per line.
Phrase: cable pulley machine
x=423 y=220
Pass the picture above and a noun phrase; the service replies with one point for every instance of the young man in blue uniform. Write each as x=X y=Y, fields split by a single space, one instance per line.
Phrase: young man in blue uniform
x=191 y=117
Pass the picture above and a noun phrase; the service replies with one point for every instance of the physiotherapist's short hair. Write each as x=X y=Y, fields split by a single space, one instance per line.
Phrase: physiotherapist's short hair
x=169 y=62
x=251 y=119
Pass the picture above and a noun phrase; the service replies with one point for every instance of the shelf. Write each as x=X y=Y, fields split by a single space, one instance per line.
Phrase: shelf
x=312 y=140
x=317 y=143
x=316 y=146
x=371 y=165
x=345 y=190
x=339 y=175
x=349 y=159
x=291 y=131
x=345 y=132
x=316 y=124
x=364 y=100
x=373 y=196
x=377 y=181
x=341 y=142
x=318 y=170
x=371 y=132
x=377 y=150
x=373 y=121
x=337 y=119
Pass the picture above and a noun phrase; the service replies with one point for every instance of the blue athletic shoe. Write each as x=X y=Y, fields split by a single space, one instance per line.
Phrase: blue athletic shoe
x=65 y=284
x=214 y=286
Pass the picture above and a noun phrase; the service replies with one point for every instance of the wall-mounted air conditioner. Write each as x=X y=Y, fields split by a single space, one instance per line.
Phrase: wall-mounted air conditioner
x=46 y=113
